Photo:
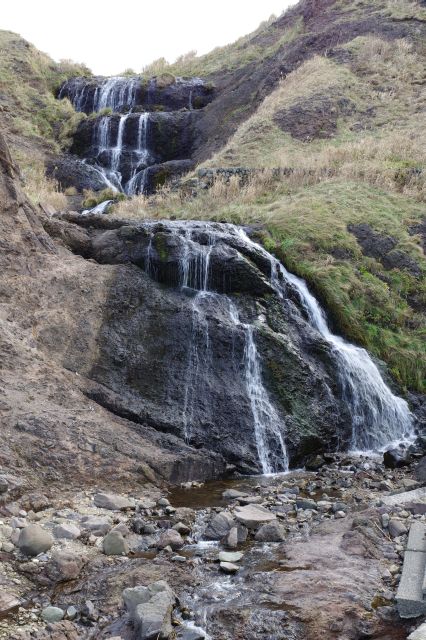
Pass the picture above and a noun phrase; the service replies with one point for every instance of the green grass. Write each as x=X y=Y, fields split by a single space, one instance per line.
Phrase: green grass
x=29 y=80
x=304 y=226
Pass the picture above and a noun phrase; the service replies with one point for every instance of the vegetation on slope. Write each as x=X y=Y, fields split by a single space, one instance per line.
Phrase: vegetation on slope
x=36 y=123
x=351 y=131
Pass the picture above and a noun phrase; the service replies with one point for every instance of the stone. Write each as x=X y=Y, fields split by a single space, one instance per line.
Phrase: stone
x=396 y=458
x=178 y=559
x=306 y=503
x=420 y=470
x=8 y=603
x=314 y=462
x=34 y=540
x=97 y=525
x=18 y=523
x=88 y=611
x=233 y=494
x=385 y=520
x=114 y=544
x=228 y=556
x=237 y=535
x=182 y=528
x=219 y=526
x=52 y=614
x=65 y=565
x=163 y=502
x=170 y=538
x=397 y=528
x=4 y=485
x=66 y=531
x=133 y=596
x=417 y=495
x=252 y=516
x=71 y=612
x=340 y=514
x=112 y=502
x=229 y=567
x=271 y=532
x=150 y=609
x=419 y=633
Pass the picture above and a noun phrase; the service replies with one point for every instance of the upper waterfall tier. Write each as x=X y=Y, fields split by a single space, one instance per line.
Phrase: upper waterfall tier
x=121 y=94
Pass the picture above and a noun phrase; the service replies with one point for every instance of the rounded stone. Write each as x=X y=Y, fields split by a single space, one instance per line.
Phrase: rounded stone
x=52 y=614
x=114 y=544
x=33 y=540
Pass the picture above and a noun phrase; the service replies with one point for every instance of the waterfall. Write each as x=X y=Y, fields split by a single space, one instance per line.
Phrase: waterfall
x=117 y=150
x=194 y=272
x=110 y=153
x=379 y=418
x=141 y=155
x=267 y=424
x=116 y=93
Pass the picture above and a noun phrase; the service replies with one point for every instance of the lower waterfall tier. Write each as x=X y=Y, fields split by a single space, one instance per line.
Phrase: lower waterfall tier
x=209 y=338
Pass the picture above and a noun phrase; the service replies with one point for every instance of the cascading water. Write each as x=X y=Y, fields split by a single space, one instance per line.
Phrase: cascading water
x=113 y=154
x=379 y=418
x=123 y=162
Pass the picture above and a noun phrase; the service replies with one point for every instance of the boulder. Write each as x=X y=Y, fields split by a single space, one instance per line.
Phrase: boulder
x=150 y=609
x=64 y=565
x=228 y=556
x=271 y=532
x=52 y=614
x=229 y=567
x=219 y=526
x=306 y=503
x=34 y=540
x=252 y=516
x=170 y=538
x=66 y=531
x=97 y=525
x=420 y=470
x=237 y=535
x=114 y=544
x=8 y=602
x=397 y=528
x=396 y=458
x=233 y=494
x=112 y=502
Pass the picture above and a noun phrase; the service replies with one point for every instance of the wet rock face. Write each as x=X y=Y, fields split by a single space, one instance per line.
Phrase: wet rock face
x=170 y=350
x=165 y=93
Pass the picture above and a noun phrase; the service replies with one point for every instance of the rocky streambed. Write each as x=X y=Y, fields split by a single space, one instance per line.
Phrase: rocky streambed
x=300 y=555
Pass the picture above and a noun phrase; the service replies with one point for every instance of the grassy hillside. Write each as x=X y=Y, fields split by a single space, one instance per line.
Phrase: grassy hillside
x=34 y=121
x=350 y=128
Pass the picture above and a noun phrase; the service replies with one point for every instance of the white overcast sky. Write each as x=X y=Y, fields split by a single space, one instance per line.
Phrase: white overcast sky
x=112 y=36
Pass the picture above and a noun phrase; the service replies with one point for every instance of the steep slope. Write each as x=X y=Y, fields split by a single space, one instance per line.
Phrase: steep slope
x=346 y=129
x=52 y=305
x=35 y=123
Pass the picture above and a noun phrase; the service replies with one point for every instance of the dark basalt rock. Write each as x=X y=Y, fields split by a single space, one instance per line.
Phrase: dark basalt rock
x=383 y=248
x=161 y=93
x=397 y=458
x=70 y=171
x=315 y=118
x=158 y=174
x=168 y=357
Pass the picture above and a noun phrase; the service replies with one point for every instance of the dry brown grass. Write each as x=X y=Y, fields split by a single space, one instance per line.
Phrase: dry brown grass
x=405 y=10
x=40 y=189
